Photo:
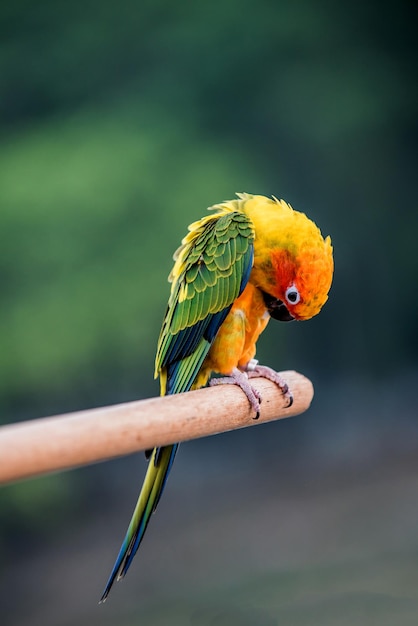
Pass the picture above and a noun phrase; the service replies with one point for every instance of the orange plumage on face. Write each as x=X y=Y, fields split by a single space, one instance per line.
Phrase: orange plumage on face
x=290 y=253
x=303 y=279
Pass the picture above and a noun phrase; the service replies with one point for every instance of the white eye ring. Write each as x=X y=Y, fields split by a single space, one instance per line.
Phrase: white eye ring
x=292 y=295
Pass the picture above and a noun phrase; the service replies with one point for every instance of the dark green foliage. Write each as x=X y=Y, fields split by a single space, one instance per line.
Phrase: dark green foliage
x=120 y=127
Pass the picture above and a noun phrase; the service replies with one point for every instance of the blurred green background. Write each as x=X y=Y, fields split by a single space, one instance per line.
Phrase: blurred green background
x=119 y=124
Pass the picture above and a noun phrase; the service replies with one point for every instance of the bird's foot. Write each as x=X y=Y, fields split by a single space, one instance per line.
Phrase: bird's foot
x=255 y=370
x=240 y=378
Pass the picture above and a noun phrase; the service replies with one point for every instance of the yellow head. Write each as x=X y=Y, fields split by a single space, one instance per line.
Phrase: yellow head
x=293 y=263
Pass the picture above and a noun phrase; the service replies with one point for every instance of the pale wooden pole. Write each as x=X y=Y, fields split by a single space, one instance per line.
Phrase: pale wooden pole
x=64 y=441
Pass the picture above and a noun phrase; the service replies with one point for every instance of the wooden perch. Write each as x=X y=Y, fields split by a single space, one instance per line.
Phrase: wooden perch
x=64 y=441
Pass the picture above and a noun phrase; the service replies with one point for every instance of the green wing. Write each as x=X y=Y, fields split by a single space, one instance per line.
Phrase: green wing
x=211 y=270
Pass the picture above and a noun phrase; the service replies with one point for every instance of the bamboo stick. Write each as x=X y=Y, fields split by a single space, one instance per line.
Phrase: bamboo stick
x=65 y=441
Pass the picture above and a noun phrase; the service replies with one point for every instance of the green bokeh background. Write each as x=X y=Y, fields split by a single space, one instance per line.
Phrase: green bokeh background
x=119 y=124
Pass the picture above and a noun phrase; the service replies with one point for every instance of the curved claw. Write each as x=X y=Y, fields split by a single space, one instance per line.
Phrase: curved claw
x=240 y=378
x=271 y=374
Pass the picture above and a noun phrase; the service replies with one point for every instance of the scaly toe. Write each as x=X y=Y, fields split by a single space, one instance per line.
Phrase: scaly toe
x=241 y=379
x=271 y=374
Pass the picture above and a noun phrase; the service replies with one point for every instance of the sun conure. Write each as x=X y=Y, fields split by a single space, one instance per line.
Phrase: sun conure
x=251 y=259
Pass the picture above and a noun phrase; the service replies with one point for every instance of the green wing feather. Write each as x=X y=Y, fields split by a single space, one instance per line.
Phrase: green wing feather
x=211 y=270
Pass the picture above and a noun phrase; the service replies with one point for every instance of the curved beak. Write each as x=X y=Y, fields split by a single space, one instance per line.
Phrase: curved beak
x=277 y=308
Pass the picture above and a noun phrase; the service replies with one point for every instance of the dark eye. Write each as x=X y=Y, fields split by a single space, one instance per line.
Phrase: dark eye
x=292 y=295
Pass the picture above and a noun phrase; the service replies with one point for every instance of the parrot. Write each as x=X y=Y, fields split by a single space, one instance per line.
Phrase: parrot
x=251 y=259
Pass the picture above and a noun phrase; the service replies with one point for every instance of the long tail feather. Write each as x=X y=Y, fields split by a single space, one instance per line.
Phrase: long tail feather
x=158 y=470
